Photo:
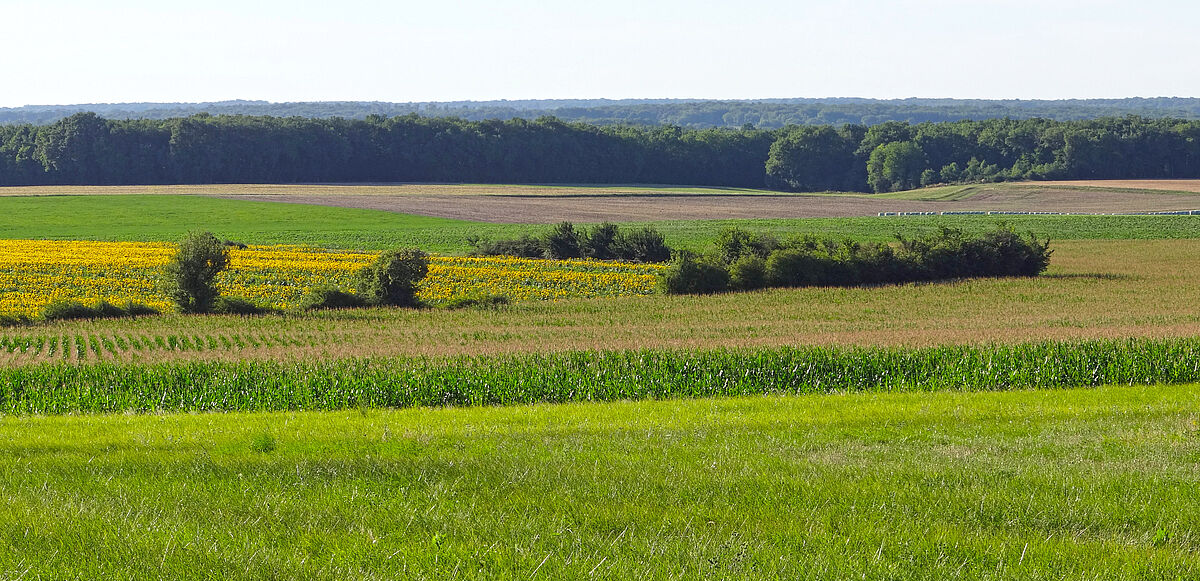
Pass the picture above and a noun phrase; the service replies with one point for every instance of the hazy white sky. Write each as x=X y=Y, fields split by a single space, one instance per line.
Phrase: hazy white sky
x=71 y=51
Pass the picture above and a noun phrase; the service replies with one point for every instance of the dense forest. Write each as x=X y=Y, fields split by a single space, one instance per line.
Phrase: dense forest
x=88 y=149
x=688 y=113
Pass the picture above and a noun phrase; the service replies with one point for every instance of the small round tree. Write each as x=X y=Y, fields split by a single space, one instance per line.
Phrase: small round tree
x=190 y=276
x=392 y=279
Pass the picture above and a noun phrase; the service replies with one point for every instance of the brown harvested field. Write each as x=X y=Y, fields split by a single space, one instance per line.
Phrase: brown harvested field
x=1094 y=289
x=534 y=203
x=537 y=209
x=1192 y=186
x=522 y=204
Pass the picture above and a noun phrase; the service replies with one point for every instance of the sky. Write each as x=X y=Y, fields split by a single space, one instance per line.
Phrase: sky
x=68 y=52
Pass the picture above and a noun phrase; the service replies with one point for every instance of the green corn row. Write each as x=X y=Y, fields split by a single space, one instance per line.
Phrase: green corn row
x=68 y=387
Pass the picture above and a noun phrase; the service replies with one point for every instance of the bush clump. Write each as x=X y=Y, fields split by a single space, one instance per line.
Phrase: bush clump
x=524 y=247
x=190 y=277
x=748 y=273
x=690 y=274
x=604 y=242
x=642 y=245
x=393 y=278
x=748 y=261
x=327 y=297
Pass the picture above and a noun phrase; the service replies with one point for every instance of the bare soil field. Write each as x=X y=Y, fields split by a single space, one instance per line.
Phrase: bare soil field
x=1157 y=185
x=522 y=204
x=641 y=207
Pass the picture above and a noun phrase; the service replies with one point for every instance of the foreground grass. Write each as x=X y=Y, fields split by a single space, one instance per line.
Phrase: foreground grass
x=149 y=217
x=1095 y=484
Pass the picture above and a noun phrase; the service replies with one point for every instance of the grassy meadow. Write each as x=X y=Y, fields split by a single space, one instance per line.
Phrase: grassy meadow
x=916 y=431
x=157 y=218
x=1092 y=484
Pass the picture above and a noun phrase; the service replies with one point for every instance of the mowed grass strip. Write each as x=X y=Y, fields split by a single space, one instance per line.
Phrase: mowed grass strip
x=1086 y=484
x=585 y=376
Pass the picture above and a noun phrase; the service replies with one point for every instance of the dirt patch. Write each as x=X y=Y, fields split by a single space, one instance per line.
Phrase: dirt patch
x=543 y=208
x=1157 y=185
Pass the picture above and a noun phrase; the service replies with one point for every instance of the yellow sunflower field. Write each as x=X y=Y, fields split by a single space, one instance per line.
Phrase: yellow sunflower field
x=34 y=273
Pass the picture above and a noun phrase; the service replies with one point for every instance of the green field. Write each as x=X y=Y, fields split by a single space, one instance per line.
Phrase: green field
x=148 y=217
x=1091 y=484
x=579 y=376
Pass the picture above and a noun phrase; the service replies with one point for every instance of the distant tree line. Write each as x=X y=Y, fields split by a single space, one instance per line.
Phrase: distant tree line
x=688 y=113
x=87 y=149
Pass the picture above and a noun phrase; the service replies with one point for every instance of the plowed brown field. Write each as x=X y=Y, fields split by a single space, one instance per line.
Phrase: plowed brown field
x=543 y=204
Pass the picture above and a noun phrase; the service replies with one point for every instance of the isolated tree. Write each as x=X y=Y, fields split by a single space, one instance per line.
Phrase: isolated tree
x=190 y=276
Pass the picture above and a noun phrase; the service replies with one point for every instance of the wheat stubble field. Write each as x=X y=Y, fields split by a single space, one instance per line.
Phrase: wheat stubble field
x=772 y=435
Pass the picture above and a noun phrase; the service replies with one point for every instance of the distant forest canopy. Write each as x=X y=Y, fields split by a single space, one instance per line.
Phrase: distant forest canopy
x=87 y=149
x=688 y=113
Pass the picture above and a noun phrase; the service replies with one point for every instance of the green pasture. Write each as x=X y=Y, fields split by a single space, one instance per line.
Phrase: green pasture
x=1082 y=484
x=167 y=217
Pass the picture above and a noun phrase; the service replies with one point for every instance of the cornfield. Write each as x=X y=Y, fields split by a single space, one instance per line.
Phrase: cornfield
x=34 y=273
x=69 y=387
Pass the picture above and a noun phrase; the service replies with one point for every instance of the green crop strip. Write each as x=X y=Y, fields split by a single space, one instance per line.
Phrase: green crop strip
x=56 y=388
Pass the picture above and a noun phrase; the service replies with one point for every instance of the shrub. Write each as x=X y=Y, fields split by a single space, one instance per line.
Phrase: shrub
x=524 y=247
x=327 y=297
x=1013 y=255
x=642 y=245
x=796 y=267
x=694 y=275
x=601 y=242
x=563 y=242
x=237 y=306
x=952 y=254
x=748 y=273
x=734 y=243
x=392 y=279
x=189 y=277
x=604 y=242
